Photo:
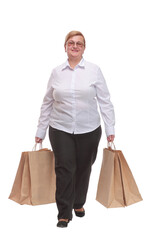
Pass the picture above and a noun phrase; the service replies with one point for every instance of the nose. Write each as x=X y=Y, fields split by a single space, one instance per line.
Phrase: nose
x=75 y=45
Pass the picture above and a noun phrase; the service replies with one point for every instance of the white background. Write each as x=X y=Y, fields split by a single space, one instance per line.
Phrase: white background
x=123 y=38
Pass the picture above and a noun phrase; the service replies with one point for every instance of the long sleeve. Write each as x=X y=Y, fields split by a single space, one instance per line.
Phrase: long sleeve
x=45 y=110
x=105 y=105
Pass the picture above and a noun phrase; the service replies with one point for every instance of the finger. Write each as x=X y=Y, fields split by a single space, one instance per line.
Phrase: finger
x=38 y=140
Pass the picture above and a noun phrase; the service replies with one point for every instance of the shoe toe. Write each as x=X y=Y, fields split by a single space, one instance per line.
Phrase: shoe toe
x=62 y=224
x=80 y=213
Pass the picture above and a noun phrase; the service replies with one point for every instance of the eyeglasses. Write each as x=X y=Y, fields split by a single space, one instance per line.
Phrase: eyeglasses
x=72 y=43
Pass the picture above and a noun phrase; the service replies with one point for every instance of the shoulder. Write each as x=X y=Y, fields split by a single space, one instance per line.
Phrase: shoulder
x=91 y=67
x=57 y=69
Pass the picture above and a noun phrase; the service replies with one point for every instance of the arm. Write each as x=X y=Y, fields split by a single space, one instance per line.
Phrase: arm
x=105 y=105
x=45 y=112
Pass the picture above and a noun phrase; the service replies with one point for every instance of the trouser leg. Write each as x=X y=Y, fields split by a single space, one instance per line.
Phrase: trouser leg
x=63 y=146
x=86 y=146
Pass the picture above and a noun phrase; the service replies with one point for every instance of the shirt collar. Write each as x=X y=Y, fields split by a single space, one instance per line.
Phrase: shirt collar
x=80 y=64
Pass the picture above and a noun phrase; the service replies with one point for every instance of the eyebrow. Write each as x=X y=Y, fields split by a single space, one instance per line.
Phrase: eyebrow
x=74 y=41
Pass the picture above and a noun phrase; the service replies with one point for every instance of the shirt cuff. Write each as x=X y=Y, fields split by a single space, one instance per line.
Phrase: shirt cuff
x=109 y=131
x=41 y=133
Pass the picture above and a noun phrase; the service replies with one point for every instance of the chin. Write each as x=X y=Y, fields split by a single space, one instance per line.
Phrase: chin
x=75 y=55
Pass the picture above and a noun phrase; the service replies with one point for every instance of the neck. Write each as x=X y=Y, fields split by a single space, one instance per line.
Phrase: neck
x=73 y=62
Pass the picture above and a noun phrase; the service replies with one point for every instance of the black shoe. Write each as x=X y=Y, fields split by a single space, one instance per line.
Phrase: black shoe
x=79 y=213
x=62 y=224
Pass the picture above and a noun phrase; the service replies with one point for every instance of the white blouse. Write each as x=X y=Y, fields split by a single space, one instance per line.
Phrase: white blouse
x=70 y=102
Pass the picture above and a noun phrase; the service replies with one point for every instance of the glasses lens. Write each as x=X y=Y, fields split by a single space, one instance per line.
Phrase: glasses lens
x=70 y=43
x=79 y=44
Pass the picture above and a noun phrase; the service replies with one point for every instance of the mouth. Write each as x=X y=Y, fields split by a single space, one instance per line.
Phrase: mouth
x=74 y=50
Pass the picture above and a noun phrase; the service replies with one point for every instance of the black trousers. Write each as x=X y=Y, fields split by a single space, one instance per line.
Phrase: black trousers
x=74 y=156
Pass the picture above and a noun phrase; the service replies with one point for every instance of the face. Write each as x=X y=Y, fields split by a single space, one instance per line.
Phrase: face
x=75 y=47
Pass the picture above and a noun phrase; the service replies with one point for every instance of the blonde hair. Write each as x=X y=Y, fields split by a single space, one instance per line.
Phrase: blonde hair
x=72 y=34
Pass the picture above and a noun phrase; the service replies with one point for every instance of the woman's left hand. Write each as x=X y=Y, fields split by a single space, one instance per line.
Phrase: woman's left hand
x=110 y=138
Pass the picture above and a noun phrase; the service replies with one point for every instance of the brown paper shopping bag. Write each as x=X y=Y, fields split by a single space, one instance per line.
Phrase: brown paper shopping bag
x=130 y=188
x=35 y=181
x=116 y=186
x=110 y=191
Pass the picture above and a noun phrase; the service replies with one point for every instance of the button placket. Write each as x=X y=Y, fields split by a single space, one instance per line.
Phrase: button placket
x=73 y=99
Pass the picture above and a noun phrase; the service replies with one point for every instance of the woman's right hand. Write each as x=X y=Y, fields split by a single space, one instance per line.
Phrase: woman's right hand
x=38 y=140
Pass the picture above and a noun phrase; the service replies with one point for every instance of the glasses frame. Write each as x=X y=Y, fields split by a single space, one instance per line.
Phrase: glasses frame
x=78 y=44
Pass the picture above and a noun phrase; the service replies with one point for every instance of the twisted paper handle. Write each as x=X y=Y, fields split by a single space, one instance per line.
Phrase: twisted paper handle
x=40 y=146
x=110 y=144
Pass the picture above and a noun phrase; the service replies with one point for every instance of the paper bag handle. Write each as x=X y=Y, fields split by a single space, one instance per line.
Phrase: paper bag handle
x=110 y=144
x=40 y=146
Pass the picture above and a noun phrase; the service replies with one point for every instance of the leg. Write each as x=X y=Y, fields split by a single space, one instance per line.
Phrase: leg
x=86 y=146
x=63 y=146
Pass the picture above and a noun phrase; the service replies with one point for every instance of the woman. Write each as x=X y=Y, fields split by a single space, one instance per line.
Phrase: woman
x=70 y=110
